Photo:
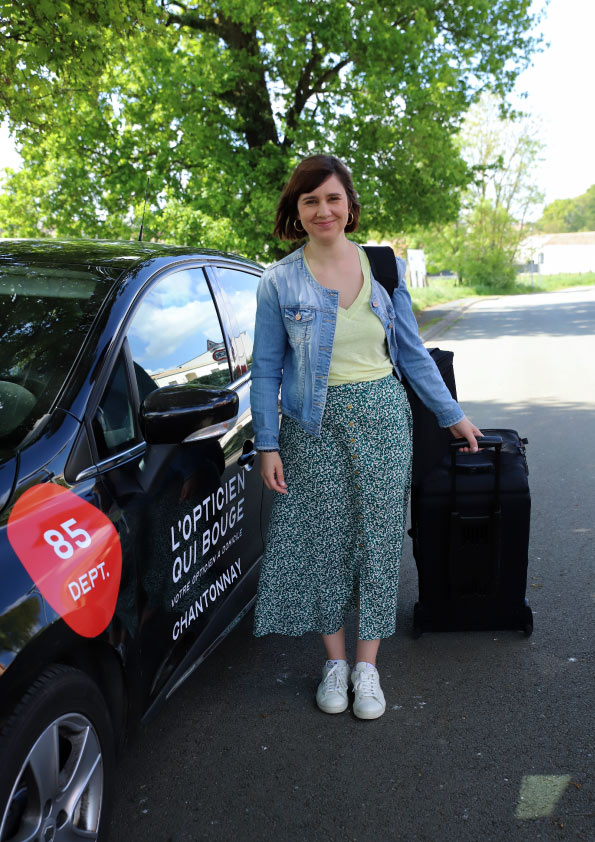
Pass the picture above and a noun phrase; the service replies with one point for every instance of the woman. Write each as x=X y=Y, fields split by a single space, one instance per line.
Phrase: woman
x=330 y=336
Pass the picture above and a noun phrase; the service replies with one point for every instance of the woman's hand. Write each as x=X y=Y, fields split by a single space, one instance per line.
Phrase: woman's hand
x=271 y=470
x=465 y=429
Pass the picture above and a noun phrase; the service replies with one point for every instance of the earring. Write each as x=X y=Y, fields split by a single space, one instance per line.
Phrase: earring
x=299 y=230
x=349 y=221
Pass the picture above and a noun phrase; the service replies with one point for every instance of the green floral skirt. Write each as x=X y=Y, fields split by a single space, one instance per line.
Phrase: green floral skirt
x=335 y=539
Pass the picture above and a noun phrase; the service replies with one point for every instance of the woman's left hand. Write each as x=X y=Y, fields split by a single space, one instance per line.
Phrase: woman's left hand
x=465 y=429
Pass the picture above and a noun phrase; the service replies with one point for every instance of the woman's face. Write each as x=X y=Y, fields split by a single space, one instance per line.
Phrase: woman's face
x=323 y=212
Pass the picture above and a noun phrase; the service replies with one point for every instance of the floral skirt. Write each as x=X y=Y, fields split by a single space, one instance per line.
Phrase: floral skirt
x=335 y=539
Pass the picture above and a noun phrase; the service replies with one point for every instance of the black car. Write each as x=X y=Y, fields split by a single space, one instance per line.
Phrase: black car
x=131 y=519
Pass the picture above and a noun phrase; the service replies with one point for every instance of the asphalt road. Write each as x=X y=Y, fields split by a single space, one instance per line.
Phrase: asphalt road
x=487 y=736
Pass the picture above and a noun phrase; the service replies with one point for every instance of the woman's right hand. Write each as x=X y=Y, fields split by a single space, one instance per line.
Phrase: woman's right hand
x=271 y=470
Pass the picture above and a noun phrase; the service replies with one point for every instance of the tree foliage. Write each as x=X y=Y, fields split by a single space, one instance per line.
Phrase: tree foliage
x=217 y=99
x=564 y=215
x=480 y=245
x=57 y=47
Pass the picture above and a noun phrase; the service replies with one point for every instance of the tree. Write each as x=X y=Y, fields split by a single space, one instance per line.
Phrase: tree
x=487 y=253
x=52 y=47
x=216 y=101
x=502 y=150
x=564 y=215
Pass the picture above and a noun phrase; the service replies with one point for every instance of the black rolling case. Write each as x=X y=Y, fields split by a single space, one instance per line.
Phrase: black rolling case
x=470 y=529
x=430 y=442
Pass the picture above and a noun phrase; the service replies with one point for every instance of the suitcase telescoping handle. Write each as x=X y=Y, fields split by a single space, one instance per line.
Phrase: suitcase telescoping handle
x=483 y=442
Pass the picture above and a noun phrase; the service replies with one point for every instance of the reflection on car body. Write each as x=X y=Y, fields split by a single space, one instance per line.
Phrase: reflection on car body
x=131 y=521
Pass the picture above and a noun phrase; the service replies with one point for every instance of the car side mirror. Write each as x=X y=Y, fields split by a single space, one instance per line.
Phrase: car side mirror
x=187 y=412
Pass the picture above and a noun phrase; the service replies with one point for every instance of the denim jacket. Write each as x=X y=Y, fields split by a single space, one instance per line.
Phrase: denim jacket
x=293 y=342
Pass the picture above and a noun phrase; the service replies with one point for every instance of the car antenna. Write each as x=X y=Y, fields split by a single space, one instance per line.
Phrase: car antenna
x=140 y=236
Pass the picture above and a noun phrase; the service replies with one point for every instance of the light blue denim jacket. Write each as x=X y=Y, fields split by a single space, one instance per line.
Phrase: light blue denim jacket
x=293 y=342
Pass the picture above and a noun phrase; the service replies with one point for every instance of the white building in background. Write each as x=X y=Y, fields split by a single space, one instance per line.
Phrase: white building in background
x=213 y=359
x=415 y=275
x=557 y=254
x=416 y=264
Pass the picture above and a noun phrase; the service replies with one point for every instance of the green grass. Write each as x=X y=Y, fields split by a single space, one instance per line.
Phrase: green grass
x=549 y=283
x=440 y=290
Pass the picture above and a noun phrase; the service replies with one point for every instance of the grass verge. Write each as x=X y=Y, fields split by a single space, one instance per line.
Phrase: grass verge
x=440 y=290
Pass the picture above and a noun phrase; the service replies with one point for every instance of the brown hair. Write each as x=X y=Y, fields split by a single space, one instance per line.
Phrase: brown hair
x=307 y=176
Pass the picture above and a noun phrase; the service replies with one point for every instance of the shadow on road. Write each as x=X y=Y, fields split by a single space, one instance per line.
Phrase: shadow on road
x=521 y=317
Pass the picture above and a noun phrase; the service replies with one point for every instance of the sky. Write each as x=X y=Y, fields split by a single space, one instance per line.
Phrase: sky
x=559 y=87
x=560 y=98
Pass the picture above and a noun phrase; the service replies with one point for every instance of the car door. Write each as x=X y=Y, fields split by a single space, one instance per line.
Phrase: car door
x=189 y=513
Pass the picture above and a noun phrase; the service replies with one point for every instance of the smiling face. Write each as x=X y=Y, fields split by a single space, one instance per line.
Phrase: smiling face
x=323 y=213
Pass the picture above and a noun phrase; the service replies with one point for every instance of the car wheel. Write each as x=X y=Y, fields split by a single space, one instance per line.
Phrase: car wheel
x=58 y=757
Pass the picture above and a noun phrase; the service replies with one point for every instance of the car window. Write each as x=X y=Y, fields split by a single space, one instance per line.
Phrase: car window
x=113 y=424
x=239 y=291
x=45 y=314
x=175 y=336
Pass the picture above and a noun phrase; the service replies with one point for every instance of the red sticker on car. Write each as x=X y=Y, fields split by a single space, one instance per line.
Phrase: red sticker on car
x=72 y=552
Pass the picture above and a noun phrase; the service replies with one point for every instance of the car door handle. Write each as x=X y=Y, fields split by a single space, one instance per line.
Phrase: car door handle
x=246 y=460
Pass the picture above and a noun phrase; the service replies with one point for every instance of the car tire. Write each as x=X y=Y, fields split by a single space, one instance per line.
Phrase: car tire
x=58 y=759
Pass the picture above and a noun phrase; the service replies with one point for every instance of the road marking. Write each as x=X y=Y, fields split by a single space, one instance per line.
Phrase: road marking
x=540 y=794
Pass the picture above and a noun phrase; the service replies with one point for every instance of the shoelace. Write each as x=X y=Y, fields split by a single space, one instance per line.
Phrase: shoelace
x=334 y=679
x=367 y=684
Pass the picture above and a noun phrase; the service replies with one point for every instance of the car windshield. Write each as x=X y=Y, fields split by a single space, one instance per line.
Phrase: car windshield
x=45 y=315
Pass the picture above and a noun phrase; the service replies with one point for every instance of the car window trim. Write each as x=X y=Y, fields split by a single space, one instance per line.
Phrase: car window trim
x=225 y=320
x=113 y=462
x=239 y=354
x=245 y=378
x=125 y=357
x=132 y=384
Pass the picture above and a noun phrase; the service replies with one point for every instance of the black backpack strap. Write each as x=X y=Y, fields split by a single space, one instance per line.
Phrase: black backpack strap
x=384 y=266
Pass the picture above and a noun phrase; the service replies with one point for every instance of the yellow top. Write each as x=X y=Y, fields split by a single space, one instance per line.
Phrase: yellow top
x=359 y=348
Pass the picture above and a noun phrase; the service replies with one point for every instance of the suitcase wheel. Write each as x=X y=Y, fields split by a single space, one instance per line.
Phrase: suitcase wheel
x=418 y=629
x=527 y=620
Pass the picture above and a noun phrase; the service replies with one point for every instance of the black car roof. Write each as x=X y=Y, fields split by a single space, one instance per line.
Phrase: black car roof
x=86 y=252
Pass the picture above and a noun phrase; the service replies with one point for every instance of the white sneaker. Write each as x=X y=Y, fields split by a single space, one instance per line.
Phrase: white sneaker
x=331 y=696
x=369 y=700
